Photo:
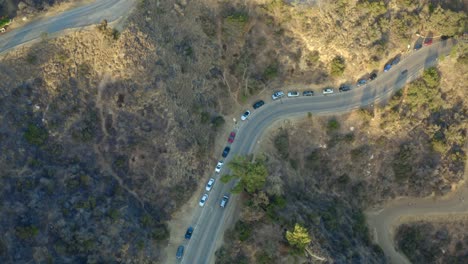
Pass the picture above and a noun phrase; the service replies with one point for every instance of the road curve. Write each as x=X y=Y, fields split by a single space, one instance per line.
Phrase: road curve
x=209 y=221
x=78 y=17
x=383 y=222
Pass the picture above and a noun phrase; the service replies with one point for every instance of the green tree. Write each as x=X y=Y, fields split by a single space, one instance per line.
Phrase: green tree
x=337 y=66
x=251 y=174
x=298 y=238
x=431 y=77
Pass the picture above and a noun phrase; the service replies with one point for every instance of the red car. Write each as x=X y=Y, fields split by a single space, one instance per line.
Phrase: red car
x=427 y=41
x=231 y=137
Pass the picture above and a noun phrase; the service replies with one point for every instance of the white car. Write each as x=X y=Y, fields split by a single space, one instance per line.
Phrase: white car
x=327 y=91
x=224 y=201
x=203 y=200
x=293 y=94
x=219 y=166
x=209 y=185
x=277 y=95
x=245 y=115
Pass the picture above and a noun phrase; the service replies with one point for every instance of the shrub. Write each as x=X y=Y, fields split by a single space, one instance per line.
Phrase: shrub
x=36 y=135
x=243 y=230
x=218 y=121
x=282 y=144
x=160 y=232
x=337 y=66
x=270 y=72
x=431 y=77
x=240 y=18
x=333 y=125
x=113 y=214
x=402 y=163
x=204 y=117
x=312 y=58
x=26 y=232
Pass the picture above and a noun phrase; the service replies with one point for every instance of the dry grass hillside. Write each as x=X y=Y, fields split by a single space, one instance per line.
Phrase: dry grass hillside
x=104 y=134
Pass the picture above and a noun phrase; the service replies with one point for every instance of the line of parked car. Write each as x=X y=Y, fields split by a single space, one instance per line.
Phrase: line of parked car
x=209 y=185
x=275 y=96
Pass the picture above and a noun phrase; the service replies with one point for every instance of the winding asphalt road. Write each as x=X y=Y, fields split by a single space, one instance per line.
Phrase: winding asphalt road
x=78 y=17
x=210 y=221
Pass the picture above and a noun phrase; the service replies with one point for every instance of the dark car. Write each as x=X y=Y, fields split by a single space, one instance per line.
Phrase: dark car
x=180 y=252
x=387 y=67
x=226 y=151
x=373 y=76
x=345 y=88
x=189 y=233
x=308 y=93
x=417 y=46
x=404 y=72
x=444 y=37
x=231 y=137
x=258 y=104
x=361 y=82
x=396 y=61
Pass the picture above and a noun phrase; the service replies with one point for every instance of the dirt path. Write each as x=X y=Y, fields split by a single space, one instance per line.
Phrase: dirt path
x=384 y=221
x=104 y=163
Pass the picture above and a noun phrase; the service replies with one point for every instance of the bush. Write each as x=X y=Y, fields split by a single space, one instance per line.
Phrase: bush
x=333 y=125
x=204 y=117
x=36 y=135
x=160 y=232
x=270 y=72
x=402 y=163
x=26 y=232
x=431 y=77
x=312 y=58
x=337 y=66
x=218 y=121
x=282 y=144
x=243 y=230
x=238 y=18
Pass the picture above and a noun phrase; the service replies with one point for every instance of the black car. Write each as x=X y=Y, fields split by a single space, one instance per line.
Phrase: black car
x=258 y=104
x=345 y=88
x=404 y=72
x=373 y=76
x=308 y=93
x=180 y=252
x=396 y=61
x=226 y=151
x=189 y=233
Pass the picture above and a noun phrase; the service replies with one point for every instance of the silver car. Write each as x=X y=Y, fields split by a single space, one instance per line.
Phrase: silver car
x=277 y=95
x=209 y=185
x=327 y=91
x=219 y=166
x=224 y=201
x=203 y=200
x=293 y=94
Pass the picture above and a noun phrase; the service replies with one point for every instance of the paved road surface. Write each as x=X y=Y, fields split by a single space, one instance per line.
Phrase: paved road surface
x=79 y=17
x=209 y=222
